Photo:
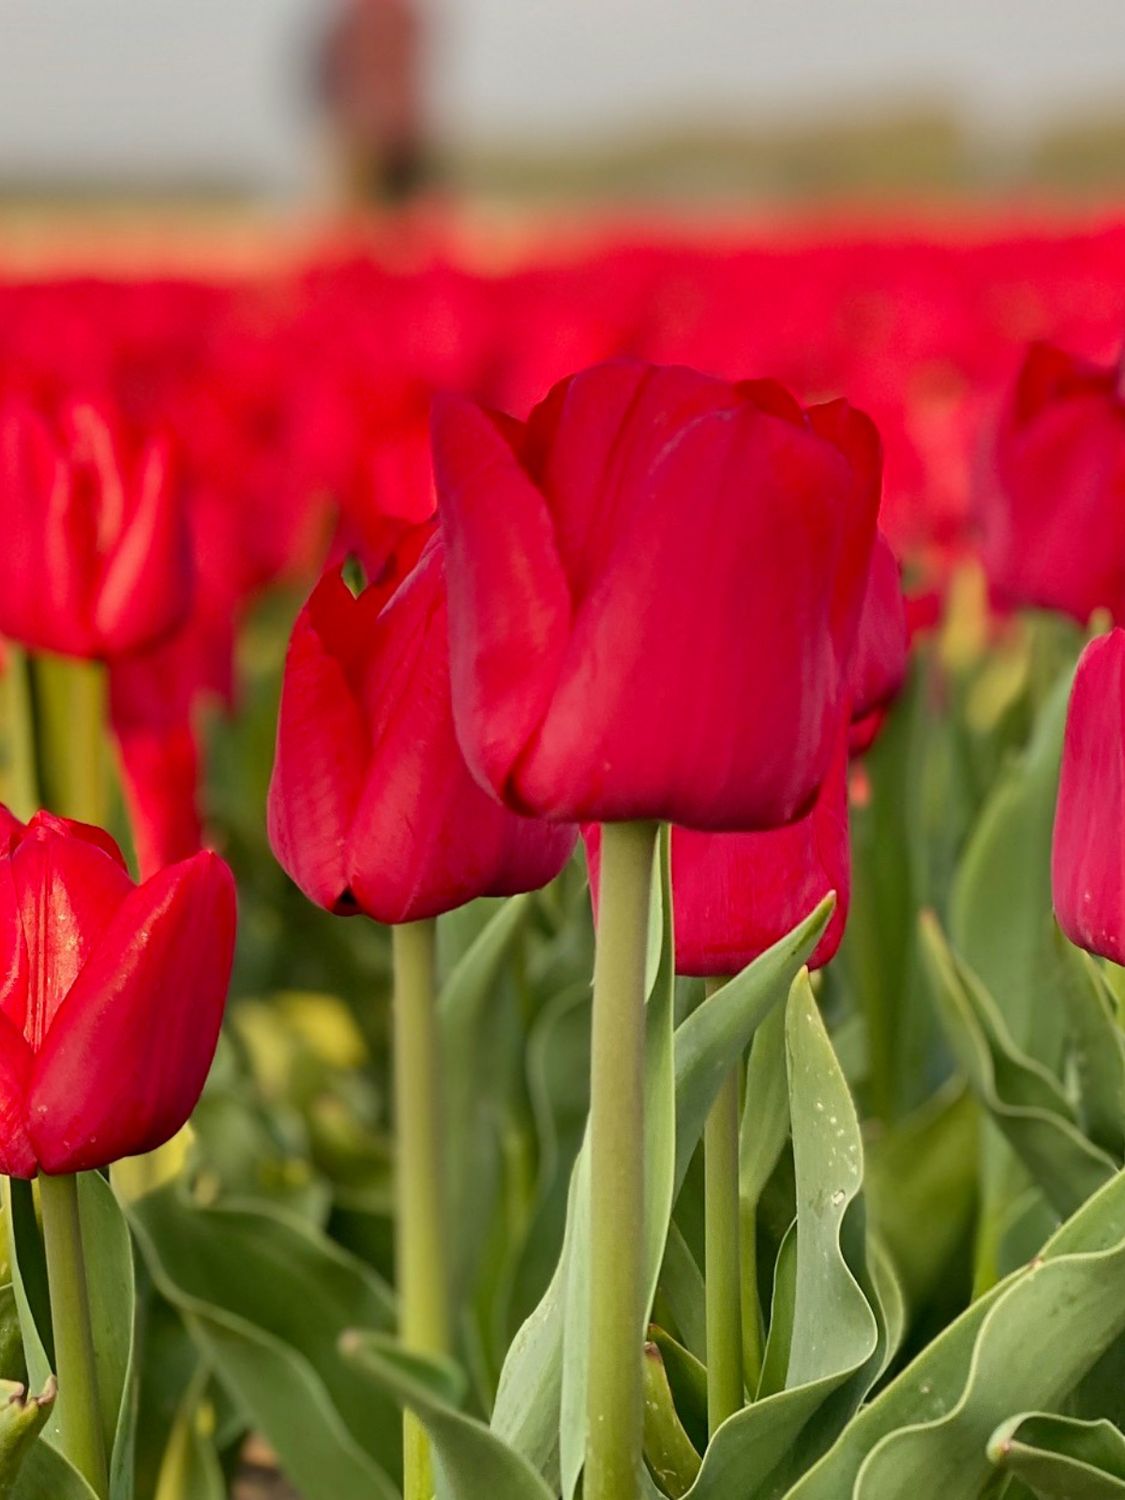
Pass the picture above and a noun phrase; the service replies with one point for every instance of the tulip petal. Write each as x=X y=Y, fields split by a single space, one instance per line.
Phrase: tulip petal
x=44 y=589
x=64 y=887
x=426 y=838
x=17 y=1159
x=130 y=1048
x=700 y=682
x=1087 y=873
x=146 y=583
x=322 y=746
x=509 y=603
x=878 y=661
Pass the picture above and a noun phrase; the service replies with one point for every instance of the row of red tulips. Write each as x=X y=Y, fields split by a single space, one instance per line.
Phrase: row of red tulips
x=659 y=597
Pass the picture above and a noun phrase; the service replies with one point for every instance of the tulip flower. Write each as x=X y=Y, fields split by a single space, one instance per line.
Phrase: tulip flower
x=1087 y=875
x=654 y=589
x=112 y=995
x=1053 y=512
x=371 y=806
x=879 y=660
x=96 y=559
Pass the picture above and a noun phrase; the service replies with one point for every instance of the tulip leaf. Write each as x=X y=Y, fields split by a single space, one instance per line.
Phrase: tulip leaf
x=1019 y=1093
x=469 y=1018
x=1098 y=1049
x=110 y=1284
x=474 y=1463
x=46 y=1475
x=1061 y=1458
x=528 y=1405
x=838 y=1340
x=1013 y=1333
x=921 y=1186
x=266 y=1298
x=669 y=1451
x=1000 y=915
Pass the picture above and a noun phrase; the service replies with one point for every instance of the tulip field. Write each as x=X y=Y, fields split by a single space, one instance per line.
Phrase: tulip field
x=562 y=904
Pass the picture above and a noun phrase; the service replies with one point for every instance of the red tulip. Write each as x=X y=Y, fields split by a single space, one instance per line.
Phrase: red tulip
x=1087 y=872
x=371 y=807
x=736 y=894
x=111 y=999
x=1053 y=514
x=96 y=559
x=654 y=586
x=879 y=659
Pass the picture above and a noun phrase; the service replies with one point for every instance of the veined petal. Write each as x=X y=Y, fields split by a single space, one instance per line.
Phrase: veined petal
x=509 y=604
x=146 y=582
x=17 y=1159
x=322 y=749
x=129 y=1050
x=65 y=887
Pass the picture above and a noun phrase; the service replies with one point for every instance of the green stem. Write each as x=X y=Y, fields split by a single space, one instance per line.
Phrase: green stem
x=72 y=719
x=83 y=1439
x=614 y=1393
x=21 y=790
x=423 y=1275
x=723 y=1265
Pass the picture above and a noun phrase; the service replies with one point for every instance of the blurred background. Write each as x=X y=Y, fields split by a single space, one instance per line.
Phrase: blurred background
x=284 y=102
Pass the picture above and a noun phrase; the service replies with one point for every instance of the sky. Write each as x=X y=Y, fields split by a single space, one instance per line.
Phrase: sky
x=157 y=88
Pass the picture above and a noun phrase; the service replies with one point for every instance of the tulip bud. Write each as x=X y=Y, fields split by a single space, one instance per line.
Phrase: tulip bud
x=111 y=999
x=1052 y=512
x=655 y=584
x=96 y=560
x=879 y=659
x=371 y=806
x=1087 y=874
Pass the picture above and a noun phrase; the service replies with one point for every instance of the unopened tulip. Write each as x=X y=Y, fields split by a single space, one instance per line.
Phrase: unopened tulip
x=371 y=807
x=654 y=588
x=112 y=995
x=1087 y=872
x=96 y=558
x=1052 y=511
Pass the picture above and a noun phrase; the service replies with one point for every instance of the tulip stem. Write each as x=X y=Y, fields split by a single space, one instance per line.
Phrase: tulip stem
x=22 y=781
x=614 y=1393
x=422 y=1271
x=723 y=1264
x=72 y=719
x=83 y=1439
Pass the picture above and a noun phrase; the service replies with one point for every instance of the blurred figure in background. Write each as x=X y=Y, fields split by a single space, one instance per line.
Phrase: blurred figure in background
x=371 y=86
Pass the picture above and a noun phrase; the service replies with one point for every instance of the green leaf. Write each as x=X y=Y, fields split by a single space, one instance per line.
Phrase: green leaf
x=47 y=1475
x=669 y=1452
x=109 y=1271
x=714 y=1037
x=475 y=1464
x=921 y=1187
x=266 y=1297
x=464 y=1004
x=1060 y=1458
x=939 y=1394
x=1019 y=1093
x=1000 y=915
x=707 y=1044
x=191 y=1468
x=681 y=1288
x=1098 y=1047
x=838 y=1338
